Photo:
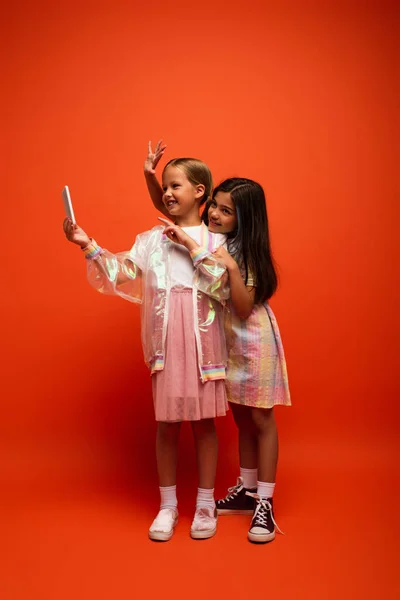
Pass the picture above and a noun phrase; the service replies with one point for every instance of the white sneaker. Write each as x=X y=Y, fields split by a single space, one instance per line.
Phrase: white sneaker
x=204 y=523
x=162 y=528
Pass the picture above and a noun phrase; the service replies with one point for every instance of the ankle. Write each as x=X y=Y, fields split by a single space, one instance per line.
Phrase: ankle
x=168 y=497
x=205 y=498
x=249 y=477
x=265 y=489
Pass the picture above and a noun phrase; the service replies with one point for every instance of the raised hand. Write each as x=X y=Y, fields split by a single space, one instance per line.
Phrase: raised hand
x=75 y=234
x=153 y=158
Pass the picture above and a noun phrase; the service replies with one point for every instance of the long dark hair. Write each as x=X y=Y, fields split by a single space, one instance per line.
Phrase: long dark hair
x=250 y=242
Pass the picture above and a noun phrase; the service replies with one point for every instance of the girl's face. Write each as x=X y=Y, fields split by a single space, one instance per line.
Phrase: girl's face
x=180 y=197
x=222 y=216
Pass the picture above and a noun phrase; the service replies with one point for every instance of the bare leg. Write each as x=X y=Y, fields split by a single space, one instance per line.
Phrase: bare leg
x=206 y=443
x=167 y=452
x=267 y=435
x=204 y=524
x=248 y=436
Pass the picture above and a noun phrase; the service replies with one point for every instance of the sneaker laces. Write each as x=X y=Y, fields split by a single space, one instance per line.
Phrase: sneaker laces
x=233 y=491
x=260 y=514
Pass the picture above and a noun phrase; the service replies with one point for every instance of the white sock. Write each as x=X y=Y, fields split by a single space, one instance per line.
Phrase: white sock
x=168 y=497
x=265 y=490
x=205 y=498
x=249 y=477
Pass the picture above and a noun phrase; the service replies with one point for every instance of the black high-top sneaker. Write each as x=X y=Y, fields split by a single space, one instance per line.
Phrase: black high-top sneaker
x=237 y=501
x=263 y=525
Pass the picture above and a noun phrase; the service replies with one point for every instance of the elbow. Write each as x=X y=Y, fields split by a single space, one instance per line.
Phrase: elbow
x=244 y=314
x=244 y=310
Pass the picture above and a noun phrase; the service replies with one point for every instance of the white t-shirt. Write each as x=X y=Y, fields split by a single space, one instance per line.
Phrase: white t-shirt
x=181 y=263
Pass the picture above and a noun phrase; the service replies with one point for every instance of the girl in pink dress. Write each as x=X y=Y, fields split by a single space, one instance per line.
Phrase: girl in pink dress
x=181 y=287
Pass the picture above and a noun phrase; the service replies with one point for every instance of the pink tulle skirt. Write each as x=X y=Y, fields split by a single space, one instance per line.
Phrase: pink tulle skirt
x=178 y=393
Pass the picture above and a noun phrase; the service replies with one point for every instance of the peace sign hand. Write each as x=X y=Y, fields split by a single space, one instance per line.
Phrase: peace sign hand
x=153 y=158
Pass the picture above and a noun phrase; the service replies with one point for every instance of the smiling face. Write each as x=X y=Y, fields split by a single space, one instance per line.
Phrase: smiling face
x=180 y=197
x=222 y=217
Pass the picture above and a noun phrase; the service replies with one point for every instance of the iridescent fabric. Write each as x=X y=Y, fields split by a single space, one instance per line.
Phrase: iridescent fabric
x=142 y=275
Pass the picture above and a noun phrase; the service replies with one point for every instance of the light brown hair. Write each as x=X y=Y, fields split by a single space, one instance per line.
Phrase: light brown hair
x=197 y=173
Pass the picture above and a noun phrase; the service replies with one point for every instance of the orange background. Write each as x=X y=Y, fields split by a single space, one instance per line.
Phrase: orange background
x=299 y=96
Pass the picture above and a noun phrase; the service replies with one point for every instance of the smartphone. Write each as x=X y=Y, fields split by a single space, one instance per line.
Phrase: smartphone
x=69 y=211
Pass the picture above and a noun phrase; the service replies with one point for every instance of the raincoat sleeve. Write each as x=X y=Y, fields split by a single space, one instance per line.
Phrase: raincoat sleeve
x=118 y=274
x=210 y=275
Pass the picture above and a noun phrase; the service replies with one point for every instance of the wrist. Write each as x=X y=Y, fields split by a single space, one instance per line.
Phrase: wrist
x=85 y=244
x=91 y=250
x=198 y=253
x=232 y=267
x=191 y=245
